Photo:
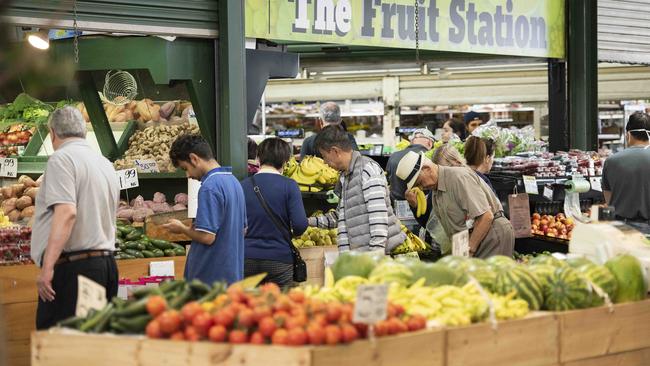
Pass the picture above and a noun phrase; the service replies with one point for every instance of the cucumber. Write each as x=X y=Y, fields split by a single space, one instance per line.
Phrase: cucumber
x=145 y=239
x=103 y=322
x=161 y=244
x=141 y=246
x=125 y=230
x=139 y=255
x=126 y=256
x=169 y=252
x=176 y=245
x=149 y=246
x=138 y=307
x=158 y=253
x=217 y=289
x=119 y=302
x=179 y=251
x=170 y=286
x=146 y=291
x=184 y=296
x=96 y=318
x=116 y=327
x=119 y=242
x=130 y=245
x=73 y=322
x=148 y=254
x=136 y=324
x=133 y=235
x=135 y=253
x=198 y=288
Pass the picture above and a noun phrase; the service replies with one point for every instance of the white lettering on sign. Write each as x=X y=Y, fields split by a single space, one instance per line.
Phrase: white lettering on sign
x=8 y=167
x=90 y=295
x=146 y=166
x=128 y=178
x=371 y=304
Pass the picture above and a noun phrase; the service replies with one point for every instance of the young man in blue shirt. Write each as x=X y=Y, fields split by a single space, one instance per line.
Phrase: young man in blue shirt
x=217 y=252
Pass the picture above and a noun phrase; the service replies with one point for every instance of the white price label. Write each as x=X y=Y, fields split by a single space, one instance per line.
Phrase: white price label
x=90 y=295
x=530 y=184
x=460 y=244
x=596 y=183
x=371 y=304
x=164 y=268
x=8 y=167
x=548 y=192
x=146 y=166
x=128 y=178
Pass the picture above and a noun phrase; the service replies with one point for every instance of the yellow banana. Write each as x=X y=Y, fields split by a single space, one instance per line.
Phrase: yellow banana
x=301 y=178
x=308 y=166
x=422 y=202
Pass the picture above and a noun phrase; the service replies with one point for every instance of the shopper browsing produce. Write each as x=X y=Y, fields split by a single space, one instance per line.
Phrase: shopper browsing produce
x=366 y=221
x=479 y=154
x=472 y=121
x=626 y=177
x=422 y=140
x=453 y=127
x=74 y=227
x=447 y=155
x=268 y=246
x=217 y=251
x=330 y=115
x=253 y=164
x=459 y=196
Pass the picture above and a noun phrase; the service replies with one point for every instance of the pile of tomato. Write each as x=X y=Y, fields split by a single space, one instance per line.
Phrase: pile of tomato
x=268 y=316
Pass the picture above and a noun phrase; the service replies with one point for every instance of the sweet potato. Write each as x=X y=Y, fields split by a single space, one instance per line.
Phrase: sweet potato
x=181 y=198
x=26 y=181
x=9 y=205
x=23 y=202
x=14 y=216
x=18 y=189
x=125 y=213
x=31 y=192
x=27 y=212
x=179 y=207
x=7 y=192
x=159 y=197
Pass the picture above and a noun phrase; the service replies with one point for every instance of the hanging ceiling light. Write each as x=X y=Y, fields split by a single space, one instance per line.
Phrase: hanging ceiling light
x=39 y=39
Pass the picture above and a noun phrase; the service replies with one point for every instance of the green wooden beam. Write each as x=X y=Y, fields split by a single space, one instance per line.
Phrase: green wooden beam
x=583 y=74
x=231 y=136
x=97 y=115
x=123 y=143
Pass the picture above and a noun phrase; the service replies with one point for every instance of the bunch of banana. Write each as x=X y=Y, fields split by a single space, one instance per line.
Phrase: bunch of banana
x=422 y=202
x=314 y=236
x=413 y=243
x=310 y=171
x=290 y=167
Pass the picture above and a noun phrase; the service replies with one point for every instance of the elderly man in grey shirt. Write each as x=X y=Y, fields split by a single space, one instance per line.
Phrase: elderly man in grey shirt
x=74 y=228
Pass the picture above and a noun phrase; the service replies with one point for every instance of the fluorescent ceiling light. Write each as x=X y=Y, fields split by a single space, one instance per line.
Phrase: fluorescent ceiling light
x=39 y=40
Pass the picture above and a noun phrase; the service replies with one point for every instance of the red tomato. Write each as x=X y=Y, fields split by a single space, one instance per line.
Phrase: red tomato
x=156 y=305
x=235 y=293
x=237 y=337
x=295 y=322
x=246 y=318
x=333 y=312
x=225 y=317
x=261 y=311
x=282 y=304
x=178 y=336
x=399 y=310
x=396 y=326
x=153 y=329
x=267 y=326
x=416 y=322
x=280 y=318
x=191 y=334
x=297 y=296
x=297 y=337
x=257 y=338
x=280 y=336
x=217 y=333
x=202 y=322
x=332 y=334
x=189 y=311
x=270 y=288
x=315 y=306
x=349 y=333
x=316 y=334
x=381 y=328
x=170 y=321
x=320 y=319
x=362 y=329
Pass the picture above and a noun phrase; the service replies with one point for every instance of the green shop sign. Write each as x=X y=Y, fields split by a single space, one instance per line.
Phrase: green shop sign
x=505 y=27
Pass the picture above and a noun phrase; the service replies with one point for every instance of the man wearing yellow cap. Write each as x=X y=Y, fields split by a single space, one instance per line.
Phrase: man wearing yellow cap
x=461 y=201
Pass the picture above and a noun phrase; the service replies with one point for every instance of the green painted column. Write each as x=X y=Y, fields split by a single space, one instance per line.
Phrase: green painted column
x=231 y=59
x=583 y=74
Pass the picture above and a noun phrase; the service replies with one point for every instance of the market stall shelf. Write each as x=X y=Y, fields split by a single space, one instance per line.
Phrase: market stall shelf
x=18 y=300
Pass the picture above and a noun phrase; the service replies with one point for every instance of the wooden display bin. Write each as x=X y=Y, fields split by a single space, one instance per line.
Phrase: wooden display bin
x=601 y=336
x=57 y=349
x=19 y=298
x=314 y=258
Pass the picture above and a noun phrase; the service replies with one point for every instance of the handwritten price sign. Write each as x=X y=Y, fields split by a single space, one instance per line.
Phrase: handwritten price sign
x=128 y=178
x=8 y=167
x=371 y=305
x=147 y=166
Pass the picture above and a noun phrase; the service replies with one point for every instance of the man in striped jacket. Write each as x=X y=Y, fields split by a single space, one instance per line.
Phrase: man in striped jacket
x=364 y=216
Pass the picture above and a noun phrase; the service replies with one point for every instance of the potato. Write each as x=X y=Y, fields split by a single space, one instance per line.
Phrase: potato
x=9 y=205
x=31 y=192
x=7 y=192
x=27 y=212
x=14 y=216
x=23 y=202
x=27 y=181
x=18 y=189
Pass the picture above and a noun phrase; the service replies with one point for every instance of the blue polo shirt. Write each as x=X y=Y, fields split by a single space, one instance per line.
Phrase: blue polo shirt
x=221 y=211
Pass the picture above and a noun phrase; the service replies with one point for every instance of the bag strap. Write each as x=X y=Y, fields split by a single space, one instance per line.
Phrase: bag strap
x=279 y=224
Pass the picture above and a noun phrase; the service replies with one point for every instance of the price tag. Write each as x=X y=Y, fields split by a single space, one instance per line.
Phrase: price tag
x=146 y=166
x=460 y=244
x=9 y=167
x=90 y=295
x=530 y=184
x=548 y=193
x=596 y=183
x=161 y=269
x=370 y=306
x=128 y=178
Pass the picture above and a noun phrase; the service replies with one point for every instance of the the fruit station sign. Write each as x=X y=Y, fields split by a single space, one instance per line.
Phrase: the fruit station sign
x=506 y=27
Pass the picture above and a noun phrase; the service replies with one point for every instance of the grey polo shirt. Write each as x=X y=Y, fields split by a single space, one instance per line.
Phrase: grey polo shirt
x=627 y=175
x=78 y=175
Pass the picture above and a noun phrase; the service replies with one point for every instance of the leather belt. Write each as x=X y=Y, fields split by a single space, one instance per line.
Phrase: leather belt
x=77 y=256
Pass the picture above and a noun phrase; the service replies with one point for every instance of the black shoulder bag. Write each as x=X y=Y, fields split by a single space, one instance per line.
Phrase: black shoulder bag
x=299 y=266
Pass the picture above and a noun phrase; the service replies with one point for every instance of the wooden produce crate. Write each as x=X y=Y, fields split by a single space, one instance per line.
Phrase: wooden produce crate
x=314 y=258
x=606 y=337
x=19 y=298
x=532 y=341
x=58 y=349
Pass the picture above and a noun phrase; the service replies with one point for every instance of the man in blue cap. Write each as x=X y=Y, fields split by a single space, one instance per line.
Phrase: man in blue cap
x=472 y=121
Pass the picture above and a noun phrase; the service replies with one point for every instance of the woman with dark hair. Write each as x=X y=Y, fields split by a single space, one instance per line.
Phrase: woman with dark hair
x=267 y=245
x=253 y=165
x=451 y=127
x=479 y=153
